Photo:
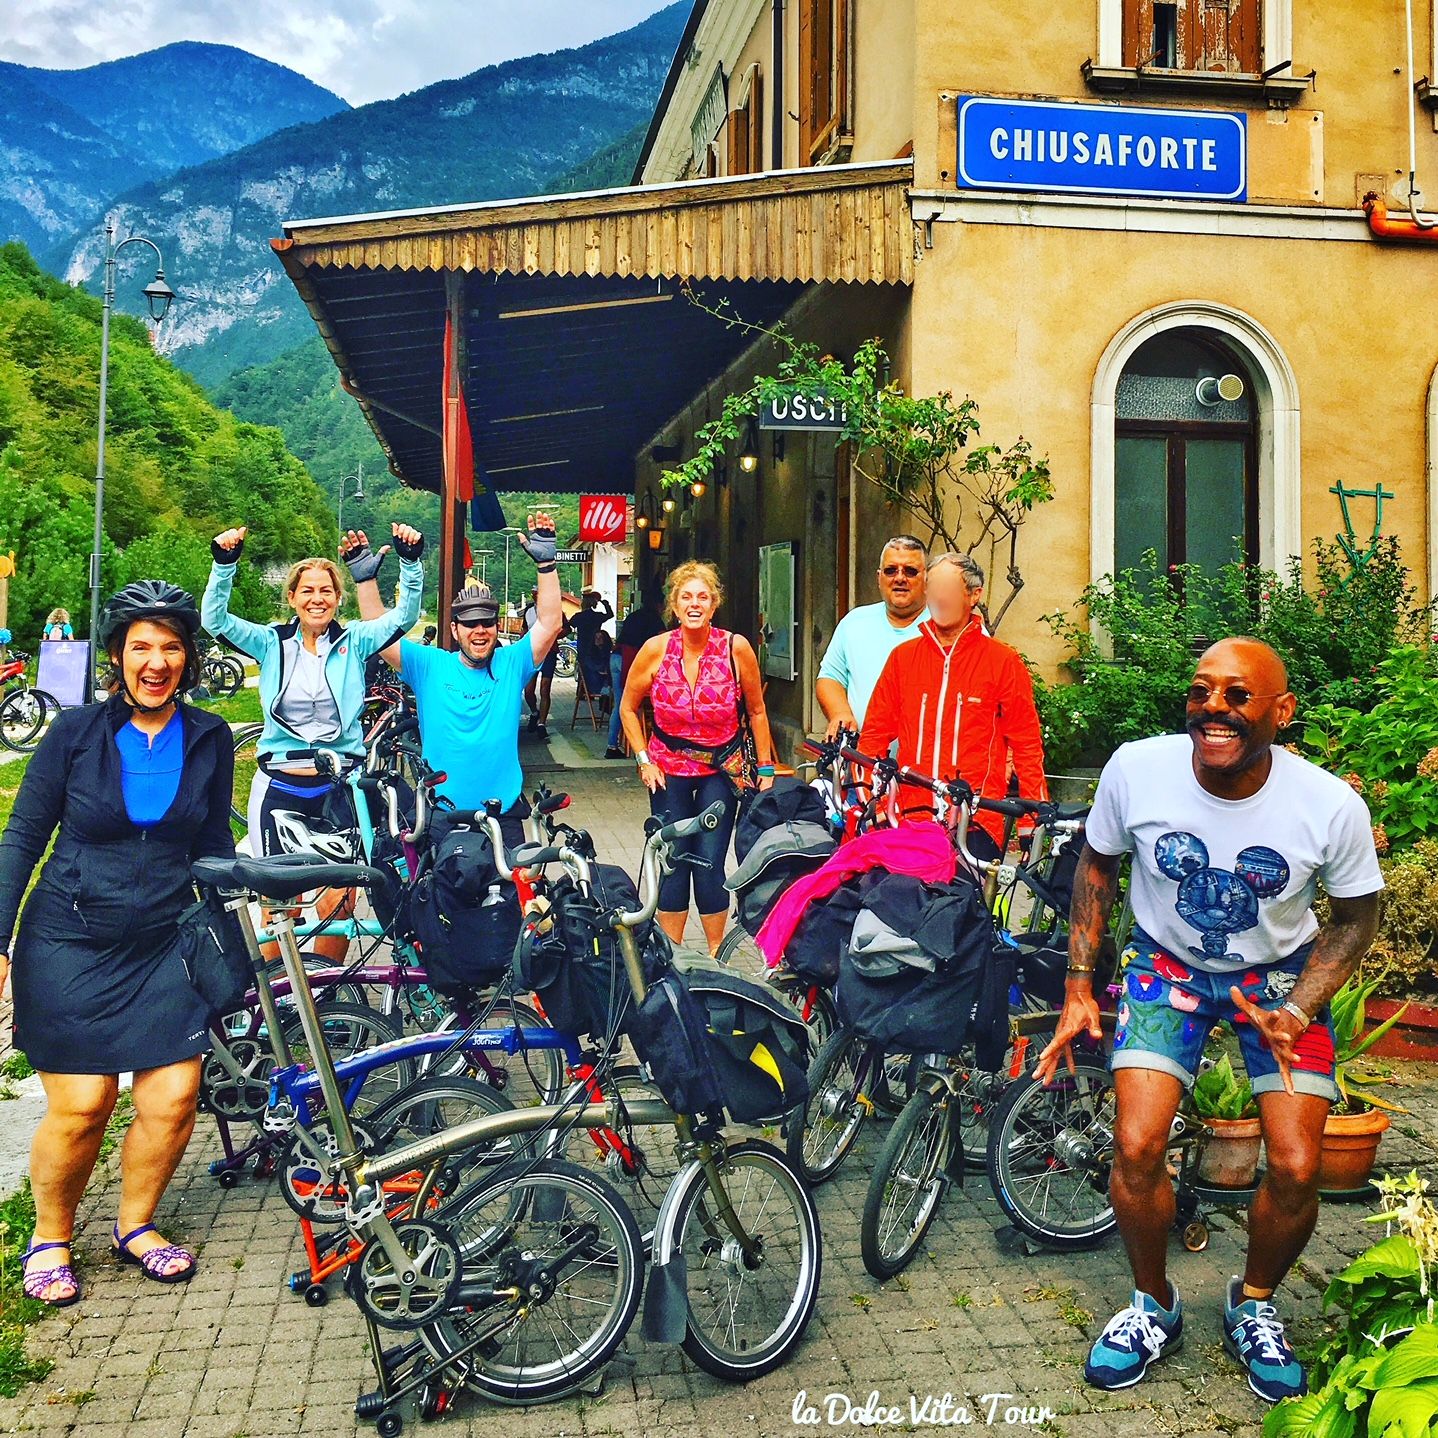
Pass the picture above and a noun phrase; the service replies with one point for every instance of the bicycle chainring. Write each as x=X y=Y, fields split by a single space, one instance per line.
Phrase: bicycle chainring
x=417 y=1295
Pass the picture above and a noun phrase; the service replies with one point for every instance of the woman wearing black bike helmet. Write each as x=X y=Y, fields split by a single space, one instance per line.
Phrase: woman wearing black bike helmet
x=133 y=790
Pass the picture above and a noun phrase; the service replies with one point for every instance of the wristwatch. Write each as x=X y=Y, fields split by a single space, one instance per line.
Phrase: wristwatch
x=1297 y=1012
x=641 y=758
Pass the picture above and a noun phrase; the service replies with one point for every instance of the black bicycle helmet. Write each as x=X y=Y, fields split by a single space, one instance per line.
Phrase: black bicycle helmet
x=148 y=599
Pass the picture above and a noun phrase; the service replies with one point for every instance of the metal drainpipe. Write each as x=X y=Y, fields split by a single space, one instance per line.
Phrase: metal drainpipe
x=1423 y=222
x=776 y=90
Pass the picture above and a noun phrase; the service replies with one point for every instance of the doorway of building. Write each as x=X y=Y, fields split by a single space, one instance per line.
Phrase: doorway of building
x=1186 y=454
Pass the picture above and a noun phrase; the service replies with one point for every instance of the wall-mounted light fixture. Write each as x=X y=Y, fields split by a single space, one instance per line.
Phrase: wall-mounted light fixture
x=656 y=537
x=644 y=516
x=749 y=455
x=778 y=446
x=667 y=504
x=698 y=489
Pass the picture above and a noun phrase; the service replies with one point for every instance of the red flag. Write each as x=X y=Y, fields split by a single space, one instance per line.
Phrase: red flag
x=468 y=554
x=458 y=442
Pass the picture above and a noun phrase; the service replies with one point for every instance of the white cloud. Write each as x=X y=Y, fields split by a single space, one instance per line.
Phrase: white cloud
x=361 y=49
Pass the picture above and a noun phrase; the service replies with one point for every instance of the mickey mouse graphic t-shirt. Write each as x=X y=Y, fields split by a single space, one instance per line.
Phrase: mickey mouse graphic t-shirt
x=1229 y=883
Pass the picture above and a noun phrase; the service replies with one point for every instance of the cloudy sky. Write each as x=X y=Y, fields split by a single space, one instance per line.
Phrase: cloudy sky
x=361 y=49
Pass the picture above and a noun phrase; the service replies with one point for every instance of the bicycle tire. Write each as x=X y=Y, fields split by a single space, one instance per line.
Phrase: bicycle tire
x=566 y=664
x=350 y=1029
x=980 y=1090
x=819 y=1139
x=246 y=738
x=744 y=1322
x=908 y=1182
x=223 y=676
x=516 y=1216
x=22 y=717
x=1049 y=1156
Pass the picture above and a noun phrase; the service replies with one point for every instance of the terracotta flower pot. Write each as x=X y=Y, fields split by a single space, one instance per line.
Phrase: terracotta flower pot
x=1414 y=1036
x=1350 y=1149
x=1230 y=1154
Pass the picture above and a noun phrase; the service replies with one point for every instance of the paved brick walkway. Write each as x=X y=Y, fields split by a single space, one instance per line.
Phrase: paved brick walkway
x=235 y=1355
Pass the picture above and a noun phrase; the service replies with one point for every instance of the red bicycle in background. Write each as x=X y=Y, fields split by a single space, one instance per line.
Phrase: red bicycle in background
x=25 y=710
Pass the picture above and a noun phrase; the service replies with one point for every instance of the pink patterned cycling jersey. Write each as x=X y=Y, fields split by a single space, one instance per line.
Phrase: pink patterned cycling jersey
x=706 y=712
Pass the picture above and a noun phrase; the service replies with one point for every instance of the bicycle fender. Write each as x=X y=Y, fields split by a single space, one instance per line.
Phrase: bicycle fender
x=666 y=1296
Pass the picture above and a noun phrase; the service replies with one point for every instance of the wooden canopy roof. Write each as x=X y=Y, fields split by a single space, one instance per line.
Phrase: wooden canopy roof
x=577 y=344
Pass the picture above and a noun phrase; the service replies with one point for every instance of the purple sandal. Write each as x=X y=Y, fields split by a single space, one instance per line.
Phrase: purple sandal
x=152 y=1262
x=36 y=1283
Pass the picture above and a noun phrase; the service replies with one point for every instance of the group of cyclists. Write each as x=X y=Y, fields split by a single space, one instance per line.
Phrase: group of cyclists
x=1228 y=835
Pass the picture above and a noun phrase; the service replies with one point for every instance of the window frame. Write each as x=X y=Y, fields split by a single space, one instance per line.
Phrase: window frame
x=1275 y=35
x=818 y=140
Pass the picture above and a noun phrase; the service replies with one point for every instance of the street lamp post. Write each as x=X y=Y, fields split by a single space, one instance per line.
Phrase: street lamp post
x=158 y=295
x=358 y=494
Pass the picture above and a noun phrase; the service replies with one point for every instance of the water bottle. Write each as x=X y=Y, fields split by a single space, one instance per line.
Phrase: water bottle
x=493 y=897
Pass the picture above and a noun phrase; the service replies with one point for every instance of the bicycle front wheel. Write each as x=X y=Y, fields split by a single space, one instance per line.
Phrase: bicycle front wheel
x=747 y=1313
x=567 y=663
x=247 y=760
x=551 y=1276
x=1049 y=1156
x=908 y=1183
x=820 y=1139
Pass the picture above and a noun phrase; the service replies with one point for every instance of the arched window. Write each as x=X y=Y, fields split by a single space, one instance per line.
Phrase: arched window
x=1185 y=453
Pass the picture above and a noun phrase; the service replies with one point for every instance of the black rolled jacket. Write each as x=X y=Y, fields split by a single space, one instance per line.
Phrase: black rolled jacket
x=116 y=877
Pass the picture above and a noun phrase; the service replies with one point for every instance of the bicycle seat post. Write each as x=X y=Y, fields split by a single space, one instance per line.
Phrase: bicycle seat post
x=282 y=930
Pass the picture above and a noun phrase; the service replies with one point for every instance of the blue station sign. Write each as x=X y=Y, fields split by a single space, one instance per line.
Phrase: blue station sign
x=1101 y=149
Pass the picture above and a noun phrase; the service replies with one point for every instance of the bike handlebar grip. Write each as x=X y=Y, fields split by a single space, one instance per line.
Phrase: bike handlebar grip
x=712 y=816
x=854 y=757
x=527 y=856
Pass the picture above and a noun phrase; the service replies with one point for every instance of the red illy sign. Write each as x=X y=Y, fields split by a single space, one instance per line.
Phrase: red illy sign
x=602 y=518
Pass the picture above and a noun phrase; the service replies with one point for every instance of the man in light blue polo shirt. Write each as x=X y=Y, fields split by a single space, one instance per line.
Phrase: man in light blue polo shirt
x=470 y=698
x=865 y=637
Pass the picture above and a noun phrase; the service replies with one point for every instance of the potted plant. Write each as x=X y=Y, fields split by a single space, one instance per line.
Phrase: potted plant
x=1358 y=1120
x=1376 y=1375
x=1225 y=1103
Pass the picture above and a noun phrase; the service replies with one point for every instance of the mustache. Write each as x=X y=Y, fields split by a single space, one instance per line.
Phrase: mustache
x=1236 y=723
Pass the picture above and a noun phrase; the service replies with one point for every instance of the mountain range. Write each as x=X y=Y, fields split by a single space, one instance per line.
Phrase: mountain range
x=507 y=130
x=71 y=139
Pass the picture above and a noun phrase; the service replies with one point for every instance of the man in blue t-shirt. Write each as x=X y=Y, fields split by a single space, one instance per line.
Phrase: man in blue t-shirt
x=470 y=697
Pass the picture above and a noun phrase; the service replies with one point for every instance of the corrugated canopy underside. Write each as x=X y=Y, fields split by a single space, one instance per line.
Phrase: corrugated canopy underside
x=579 y=343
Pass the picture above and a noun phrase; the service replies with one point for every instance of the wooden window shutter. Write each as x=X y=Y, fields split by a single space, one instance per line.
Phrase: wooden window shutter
x=755 y=108
x=1205 y=35
x=738 y=156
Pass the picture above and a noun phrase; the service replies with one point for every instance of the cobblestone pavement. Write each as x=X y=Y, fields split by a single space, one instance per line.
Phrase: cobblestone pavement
x=233 y=1354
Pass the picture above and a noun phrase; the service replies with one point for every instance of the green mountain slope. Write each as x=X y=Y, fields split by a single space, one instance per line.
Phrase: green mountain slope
x=70 y=139
x=177 y=468
x=503 y=131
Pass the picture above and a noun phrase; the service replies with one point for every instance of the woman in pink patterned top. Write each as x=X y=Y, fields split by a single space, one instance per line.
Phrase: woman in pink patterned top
x=695 y=676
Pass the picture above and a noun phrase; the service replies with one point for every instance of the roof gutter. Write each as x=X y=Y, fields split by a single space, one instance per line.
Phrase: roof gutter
x=671 y=82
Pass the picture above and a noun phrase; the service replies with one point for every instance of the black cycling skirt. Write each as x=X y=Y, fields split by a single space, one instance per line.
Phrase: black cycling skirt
x=107 y=1005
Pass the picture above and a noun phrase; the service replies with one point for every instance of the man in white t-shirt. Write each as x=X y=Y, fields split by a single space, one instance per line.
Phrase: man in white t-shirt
x=1230 y=837
x=865 y=637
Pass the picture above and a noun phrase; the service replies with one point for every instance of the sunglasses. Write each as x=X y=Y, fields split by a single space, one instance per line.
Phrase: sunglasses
x=1234 y=695
x=909 y=571
x=490 y=623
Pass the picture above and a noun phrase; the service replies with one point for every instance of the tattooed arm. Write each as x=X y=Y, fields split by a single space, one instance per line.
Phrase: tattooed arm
x=1095 y=889
x=1341 y=943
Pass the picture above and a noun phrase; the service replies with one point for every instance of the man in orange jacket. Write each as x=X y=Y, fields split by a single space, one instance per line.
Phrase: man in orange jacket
x=959 y=703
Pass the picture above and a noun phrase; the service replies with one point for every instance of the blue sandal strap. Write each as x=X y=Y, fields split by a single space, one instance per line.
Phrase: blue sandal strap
x=129 y=1238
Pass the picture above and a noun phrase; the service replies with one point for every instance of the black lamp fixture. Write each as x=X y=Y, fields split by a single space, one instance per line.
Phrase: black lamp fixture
x=644 y=515
x=749 y=455
x=158 y=295
x=667 y=504
x=698 y=489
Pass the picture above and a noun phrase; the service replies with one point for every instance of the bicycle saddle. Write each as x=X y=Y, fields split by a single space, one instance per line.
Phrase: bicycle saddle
x=283 y=876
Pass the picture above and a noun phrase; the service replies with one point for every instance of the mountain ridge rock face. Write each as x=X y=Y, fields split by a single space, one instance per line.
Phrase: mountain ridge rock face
x=503 y=132
x=70 y=139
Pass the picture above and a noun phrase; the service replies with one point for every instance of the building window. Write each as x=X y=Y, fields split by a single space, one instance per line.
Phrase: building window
x=746 y=127
x=824 y=38
x=1185 y=456
x=1205 y=35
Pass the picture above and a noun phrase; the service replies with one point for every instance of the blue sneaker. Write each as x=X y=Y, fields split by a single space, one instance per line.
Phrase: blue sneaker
x=1253 y=1334
x=1133 y=1338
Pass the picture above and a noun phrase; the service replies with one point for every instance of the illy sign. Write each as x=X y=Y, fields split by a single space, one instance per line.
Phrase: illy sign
x=602 y=518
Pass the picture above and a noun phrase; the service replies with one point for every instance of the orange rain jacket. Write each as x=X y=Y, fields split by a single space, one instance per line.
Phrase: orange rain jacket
x=959 y=713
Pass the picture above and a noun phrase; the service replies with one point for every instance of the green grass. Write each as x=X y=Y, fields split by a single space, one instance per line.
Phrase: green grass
x=10 y=776
x=17 y=1224
x=241 y=708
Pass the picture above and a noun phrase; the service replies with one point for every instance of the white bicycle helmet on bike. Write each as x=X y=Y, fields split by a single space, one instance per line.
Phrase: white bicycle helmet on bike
x=299 y=834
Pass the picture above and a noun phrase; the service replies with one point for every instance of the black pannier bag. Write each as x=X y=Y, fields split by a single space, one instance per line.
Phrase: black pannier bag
x=779 y=855
x=465 y=916
x=789 y=800
x=672 y=1040
x=991 y=1013
x=757 y=1041
x=211 y=945
x=910 y=976
x=573 y=965
x=814 y=949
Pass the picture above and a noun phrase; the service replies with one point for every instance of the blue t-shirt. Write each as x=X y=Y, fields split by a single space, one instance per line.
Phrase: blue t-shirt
x=863 y=640
x=150 y=771
x=469 y=718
